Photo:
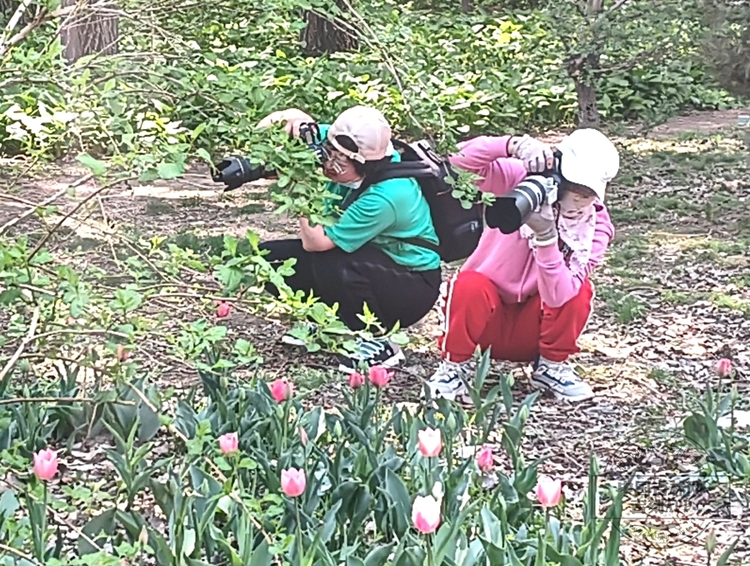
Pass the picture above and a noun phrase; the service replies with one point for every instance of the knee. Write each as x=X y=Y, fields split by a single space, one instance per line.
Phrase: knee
x=329 y=266
x=471 y=283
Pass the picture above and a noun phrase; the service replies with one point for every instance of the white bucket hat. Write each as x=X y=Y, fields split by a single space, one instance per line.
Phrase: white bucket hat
x=368 y=128
x=590 y=159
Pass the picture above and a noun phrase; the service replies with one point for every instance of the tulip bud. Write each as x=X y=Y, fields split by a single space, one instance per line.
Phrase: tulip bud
x=724 y=367
x=379 y=376
x=425 y=514
x=223 y=309
x=430 y=442
x=293 y=482
x=548 y=491
x=711 y=542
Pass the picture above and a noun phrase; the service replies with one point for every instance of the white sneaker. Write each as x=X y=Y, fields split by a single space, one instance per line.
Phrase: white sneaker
x=296 y=336
x=561 y=379
x=446 y=382
x=379 y=352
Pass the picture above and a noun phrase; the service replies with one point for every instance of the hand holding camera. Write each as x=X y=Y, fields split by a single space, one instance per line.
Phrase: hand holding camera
x=235 y=171
x=542 y=222
x=536 y=156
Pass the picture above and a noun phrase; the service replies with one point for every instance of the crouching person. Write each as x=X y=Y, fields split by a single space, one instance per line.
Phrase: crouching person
x=526 y=296
x=371 y=255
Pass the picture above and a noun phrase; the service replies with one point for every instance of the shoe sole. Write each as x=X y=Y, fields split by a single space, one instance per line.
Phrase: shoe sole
x=292 y=341
x=561 y=396
x=393 y=361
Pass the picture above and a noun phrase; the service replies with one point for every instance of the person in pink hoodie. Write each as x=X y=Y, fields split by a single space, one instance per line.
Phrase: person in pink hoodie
x=526 y=296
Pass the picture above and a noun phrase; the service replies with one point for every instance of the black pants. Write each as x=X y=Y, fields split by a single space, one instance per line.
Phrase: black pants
x=392 y=292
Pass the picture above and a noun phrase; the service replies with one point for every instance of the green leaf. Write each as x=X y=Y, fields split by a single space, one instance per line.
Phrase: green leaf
x=492 y=529
x=379 y=556
x=399 y=495
x=105 y=522
x=724 y=558
x=97 y=167
x=203 y=154
x=170 y=170
x=562 y=559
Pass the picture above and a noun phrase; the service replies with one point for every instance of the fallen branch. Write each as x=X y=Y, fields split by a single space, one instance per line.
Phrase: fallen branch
x=45 y=202
x=18 y=554
x=25 y=342
x=76 y=209
x=15 y=18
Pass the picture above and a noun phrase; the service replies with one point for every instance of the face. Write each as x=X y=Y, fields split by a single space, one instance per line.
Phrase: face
x=576 y=201
x=339 y=168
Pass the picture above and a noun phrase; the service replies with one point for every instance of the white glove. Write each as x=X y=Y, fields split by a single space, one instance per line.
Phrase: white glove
x=292 y=117
x=544 y=226
x=536 y=156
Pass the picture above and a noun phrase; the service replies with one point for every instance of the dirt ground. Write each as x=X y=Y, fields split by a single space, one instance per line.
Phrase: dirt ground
x=673 y=297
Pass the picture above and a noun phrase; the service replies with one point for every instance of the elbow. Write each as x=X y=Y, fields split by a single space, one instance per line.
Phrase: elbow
x=314 y=245
x=551 y=299
x=310 y=246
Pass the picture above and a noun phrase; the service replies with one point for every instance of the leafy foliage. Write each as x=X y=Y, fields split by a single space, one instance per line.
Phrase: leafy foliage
x=445 y=74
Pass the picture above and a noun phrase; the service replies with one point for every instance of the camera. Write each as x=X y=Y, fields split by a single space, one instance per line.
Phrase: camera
x=235 y=170
x=511 y=211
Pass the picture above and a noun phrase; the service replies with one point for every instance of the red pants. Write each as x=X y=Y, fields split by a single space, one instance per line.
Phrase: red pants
x=476 y=316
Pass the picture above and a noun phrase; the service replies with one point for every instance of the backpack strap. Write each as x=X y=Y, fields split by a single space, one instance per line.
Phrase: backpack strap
x=399 y=170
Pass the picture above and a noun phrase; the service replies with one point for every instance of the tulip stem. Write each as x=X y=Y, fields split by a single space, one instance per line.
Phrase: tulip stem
x=300 y=545
x=430 y=558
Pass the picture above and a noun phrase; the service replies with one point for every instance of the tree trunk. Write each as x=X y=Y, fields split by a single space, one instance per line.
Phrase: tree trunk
x=588 y=113
x=88 y=32
x=466 y=6
x=580 y=69
x=321 y=35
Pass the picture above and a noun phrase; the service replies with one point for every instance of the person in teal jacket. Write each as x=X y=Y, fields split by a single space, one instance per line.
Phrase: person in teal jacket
x=363 y=258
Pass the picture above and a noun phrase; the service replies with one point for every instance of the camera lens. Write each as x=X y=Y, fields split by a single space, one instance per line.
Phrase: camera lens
x=511 y=210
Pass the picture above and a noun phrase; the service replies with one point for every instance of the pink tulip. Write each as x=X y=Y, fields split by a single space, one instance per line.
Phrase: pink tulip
x=45 y=464
x=293 y=482
x=430 y=442
x=122 y=354
x=223 y=310
x=425 y=514
x=724 y=367
x=281 y=390
x=356 y=380
x=229 y=443
x=485 y=459
x=379 y=376
x=548 y=491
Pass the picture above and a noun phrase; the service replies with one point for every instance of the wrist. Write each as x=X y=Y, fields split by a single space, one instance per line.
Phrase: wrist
x=512 y=146
x=547 y=237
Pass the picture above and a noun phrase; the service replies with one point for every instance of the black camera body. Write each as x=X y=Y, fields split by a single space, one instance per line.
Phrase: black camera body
x=235 y=170
x=511 y=211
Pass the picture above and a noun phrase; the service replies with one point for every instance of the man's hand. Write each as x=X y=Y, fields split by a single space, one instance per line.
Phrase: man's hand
x=291 y=117
x=544 y=226
x=314 y=239
x=536 y=156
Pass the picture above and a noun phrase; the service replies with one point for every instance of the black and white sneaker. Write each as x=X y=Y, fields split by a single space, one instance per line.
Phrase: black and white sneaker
x=380 y=352
x=561 y=379
x=296 y=336
x=447 y=381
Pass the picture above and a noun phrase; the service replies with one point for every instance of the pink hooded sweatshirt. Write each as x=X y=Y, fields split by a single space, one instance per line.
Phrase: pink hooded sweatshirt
x=506 y=259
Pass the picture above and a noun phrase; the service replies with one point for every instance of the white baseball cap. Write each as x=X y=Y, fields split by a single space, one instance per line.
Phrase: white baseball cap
x=590 y=159
x=368 y=128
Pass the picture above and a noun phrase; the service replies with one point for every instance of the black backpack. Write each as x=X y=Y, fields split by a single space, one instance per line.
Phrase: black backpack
x=458 y=229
